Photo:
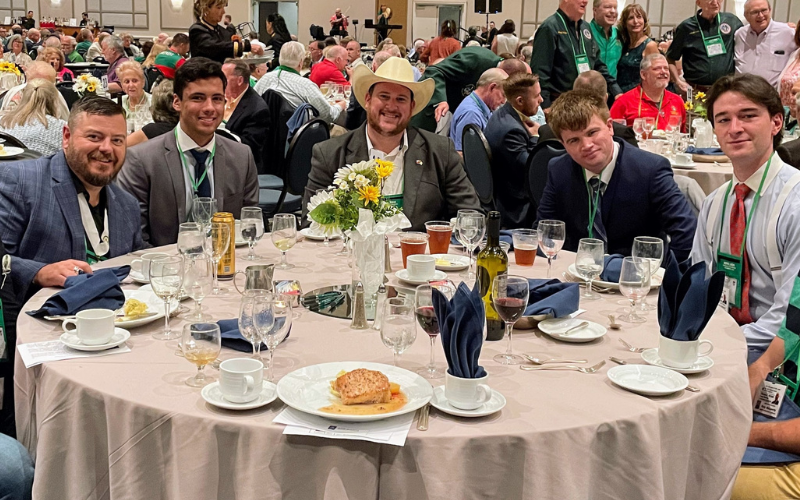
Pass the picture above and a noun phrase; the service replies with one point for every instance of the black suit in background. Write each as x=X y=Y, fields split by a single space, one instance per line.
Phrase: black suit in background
x=790 y=153
x=214 y=43
x=356 y=115
x=249 y=121
x=11 y=308
x=620 y=130
x=230 y=29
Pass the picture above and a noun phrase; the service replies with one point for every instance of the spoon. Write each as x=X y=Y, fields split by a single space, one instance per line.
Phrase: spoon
x=577 y=327
x=613 y=323
x=540 y=361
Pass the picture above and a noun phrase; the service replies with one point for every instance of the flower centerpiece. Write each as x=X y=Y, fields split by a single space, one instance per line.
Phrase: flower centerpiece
x=698 y=105
x=10 y=75
x=86 y=83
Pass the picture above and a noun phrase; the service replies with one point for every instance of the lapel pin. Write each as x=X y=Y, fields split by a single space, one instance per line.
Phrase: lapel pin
x=419 y=162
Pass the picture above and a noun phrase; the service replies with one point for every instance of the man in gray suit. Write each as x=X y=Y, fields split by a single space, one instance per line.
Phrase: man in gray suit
x=428 y=181
x=166 y=173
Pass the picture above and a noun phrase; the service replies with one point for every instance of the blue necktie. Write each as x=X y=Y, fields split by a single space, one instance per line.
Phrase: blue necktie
x=200 y=157
x=598 y=228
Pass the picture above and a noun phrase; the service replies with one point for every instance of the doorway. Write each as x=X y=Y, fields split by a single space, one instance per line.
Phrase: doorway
x=286 y=9
x=428 y=18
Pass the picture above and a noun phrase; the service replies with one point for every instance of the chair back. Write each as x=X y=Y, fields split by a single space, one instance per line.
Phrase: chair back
x=478 y=164
x=228 y=135
x=537 y=168
x=152 y=77
x=69 y=95
x=274 y=147
x=298 y=158
x=12 y=141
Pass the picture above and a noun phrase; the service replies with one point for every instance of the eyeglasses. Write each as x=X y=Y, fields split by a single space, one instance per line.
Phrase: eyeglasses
x=759 y=13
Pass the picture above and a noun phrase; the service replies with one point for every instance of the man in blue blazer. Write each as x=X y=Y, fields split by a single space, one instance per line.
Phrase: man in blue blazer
x=606 y=189
x=60 y=213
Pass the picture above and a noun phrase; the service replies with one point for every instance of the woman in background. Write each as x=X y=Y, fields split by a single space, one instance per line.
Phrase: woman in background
x=506 y=40
x=790 y=74
x=634 y=34
x=279 y=33
x=55 y=58
x=208 y=39
x=135 y=102
x=164 y=115
x=17 y=53
x=443 y=45
x=151 y=57
x=33 y=121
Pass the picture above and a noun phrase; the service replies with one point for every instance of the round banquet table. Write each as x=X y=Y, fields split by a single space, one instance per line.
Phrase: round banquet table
x=127 y=426
x=710 y=176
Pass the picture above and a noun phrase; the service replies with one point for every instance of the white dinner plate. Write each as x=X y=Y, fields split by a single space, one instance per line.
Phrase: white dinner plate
x=494 y=405
x=309 y=389
x=154 y=305
x=647 y=379
x=71 y=340
x=11 y=151
x=557 y=326
x=655 y=281
x=450 y=262
x=318 y=236
x=402 y=275
x=139 y=277
x=702 y=364
x=683 y=166
x=213 y=395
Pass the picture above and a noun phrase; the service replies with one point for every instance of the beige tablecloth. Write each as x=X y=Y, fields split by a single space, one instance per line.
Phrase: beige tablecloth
x=127 y=427
x=709 y=175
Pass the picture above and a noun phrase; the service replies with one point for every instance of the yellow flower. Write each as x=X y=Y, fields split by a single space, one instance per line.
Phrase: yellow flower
x=369 y=194
x=383 y=168
x=687 y=106
x=700 y=95
x=90 y=88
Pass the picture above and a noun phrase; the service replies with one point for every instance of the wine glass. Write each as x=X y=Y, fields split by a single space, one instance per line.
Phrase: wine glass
x=252 y=221
x=638 y=128
x=203 y=209
x=510 y=298
x=326 y=242
x=273 y=326
x=338 y=91
x=552 y=234
x=398 y=331
x=589 y=262
x=198 y=280
x=345 y=251
x=247 y=323
x=634 y=283
x=651 y=250
x=347 y=91
x=426 y=317
x=217 y=241
x=471 y=228
x=681 y=143
x=284 y=236
x=190 y=238
x=166 y=277
x=201 y=344
x=649 y=125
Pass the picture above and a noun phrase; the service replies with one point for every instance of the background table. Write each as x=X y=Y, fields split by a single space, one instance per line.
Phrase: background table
x=126 y=426
x=710 y=176
x=27 y=154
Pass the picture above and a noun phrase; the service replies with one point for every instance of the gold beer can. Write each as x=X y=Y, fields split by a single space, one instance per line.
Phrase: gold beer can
x=226 y=267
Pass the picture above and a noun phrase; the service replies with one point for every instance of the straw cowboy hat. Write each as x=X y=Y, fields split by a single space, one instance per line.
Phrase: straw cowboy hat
x=393 y=70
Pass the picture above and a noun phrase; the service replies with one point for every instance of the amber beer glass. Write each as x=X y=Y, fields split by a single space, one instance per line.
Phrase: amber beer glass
x=412 y=243
x=526 y=242
x=439 y=232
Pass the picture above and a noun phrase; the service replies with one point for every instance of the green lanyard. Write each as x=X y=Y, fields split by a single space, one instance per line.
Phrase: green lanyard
x=752 y=209
x=91 y=257
x=706 y=42
x=592 y=206
x=581 y=59
x=195 y=182
x=478 y=102
x=777 y=373
x=641 y=94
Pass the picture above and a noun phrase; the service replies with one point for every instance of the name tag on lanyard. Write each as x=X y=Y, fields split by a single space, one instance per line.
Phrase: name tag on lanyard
x=582 y=62
x=395 y=200
x=733 y=267
x=714 y=46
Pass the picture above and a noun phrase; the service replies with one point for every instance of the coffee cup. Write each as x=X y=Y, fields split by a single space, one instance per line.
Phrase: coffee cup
x=466 y=393
x=92 y=326
x=680 y=353
x=654 y=145
x=144 y=263
x=240 y=379
x=683 y=159
x=421 y=267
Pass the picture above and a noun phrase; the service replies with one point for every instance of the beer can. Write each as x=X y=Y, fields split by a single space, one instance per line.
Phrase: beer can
x=226 y=267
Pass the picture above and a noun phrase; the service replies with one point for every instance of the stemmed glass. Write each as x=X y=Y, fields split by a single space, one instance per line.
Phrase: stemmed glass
x=203 y=209
x=510 y=298
x=200 y=343
x=217 y=241
x=197 y=281
x=426 y=317
x=347 y=91
x=634 y=283
x=284 y=236
x=190 y=238
x=552 y=234
x=345 y=251
x=471 y=226
x=326 y=242
x=638 y=128
x=247 y=313
x=649 y=125
x=166 y=277
x=589 y=262
x=252 y=229
x=273 y=320
x=651 y=250
x=398 y=331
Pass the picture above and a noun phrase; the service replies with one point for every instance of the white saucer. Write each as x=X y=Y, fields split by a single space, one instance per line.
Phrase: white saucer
x=315 y=236
x=702 y=364
x=71 y=340
x=648 y=380
x=10 y=151
x=454 y=262
x=139 y=277
x=402 y=275
x=494 y=405
x=213 y=395
x=557 y=326
x=687 y=166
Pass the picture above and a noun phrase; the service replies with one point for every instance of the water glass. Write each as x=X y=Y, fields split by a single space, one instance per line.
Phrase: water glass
x=217 y=241
x=201 y=344
x=166 y=278
x=589 y=262
x=198 y=281
x=273 y=326
x=638 y=128
x=247 y=321
x=190 y=238
x=326 y=242
x=284 y=236
x=552 y=234
x=649 y=125
x=651 y=249
x=203 y=209
x=634 y=284
x=471 y=227
x=252 y=223
x=398 y=331
x=510 y=298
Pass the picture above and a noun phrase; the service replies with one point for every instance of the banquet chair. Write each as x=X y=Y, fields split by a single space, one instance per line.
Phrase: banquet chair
x=691 y=191
x=274 y=147
x=537 y=168
x=152 y=77
x=298 y=162
x=10 y=140
x=478 y=164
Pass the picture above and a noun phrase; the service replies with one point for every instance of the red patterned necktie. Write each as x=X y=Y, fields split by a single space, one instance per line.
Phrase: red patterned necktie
x=738 y=223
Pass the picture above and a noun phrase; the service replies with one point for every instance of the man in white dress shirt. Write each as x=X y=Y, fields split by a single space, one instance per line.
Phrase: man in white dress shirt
x=763 y=46
x=760 y=257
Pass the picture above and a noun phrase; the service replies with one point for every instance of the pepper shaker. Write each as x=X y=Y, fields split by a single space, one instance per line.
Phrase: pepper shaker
x=359 y=309
x=380 y=299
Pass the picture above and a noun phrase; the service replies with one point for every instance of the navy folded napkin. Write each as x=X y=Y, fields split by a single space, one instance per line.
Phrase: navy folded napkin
x=232 y=337
x=704 y=151
x=686 y=301
x=99 y=290
x=552 y=297
x=461 y=322
x=612 y=267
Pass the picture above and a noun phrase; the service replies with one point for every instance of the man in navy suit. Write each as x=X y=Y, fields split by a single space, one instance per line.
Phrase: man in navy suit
x=606 y=189
x=61 y=213
x=246 y=113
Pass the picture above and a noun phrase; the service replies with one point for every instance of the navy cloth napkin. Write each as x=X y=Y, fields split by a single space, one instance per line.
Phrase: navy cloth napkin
x=612 y=267
x=704 y=151
x=232 y=337
x=461 y=322
x=552 y=297
x=686 y=301
x=99 y=290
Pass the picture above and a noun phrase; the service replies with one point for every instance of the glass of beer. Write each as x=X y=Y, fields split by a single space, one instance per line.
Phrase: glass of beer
x=526 y=241
x=412 y=243
x=439 y=232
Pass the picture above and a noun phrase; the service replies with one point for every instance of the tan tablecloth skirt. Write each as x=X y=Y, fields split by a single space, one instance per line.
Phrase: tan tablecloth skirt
x=708 y=175
x=127 y=427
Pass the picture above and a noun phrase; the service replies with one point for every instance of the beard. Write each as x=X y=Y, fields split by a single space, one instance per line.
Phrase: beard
x=375 y=123
x=79 y=164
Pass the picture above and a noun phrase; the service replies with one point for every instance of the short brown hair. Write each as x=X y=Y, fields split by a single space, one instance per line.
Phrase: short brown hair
x=240 y=68
x=573 y=110
x=518 y=84
x=753 y=88
x=591 y=80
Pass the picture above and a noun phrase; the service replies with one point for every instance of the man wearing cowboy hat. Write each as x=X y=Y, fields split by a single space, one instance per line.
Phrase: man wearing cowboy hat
x=428 y=181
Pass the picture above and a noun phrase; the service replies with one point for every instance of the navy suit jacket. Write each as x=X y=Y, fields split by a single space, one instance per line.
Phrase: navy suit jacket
x=641 y=199
x=511 y=146
x=249 y=121
x=40 y=222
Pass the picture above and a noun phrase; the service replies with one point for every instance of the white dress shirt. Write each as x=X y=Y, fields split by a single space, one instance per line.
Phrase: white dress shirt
x=760 y=54
x=185 y=144
x=607 y=172
x=767 y=305
x=298 y=90
x=394 y=183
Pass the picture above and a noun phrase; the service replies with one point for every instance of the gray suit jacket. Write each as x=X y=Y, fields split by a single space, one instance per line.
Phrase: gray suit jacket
x=154 y=175
x=790 y=153
x=436 y=185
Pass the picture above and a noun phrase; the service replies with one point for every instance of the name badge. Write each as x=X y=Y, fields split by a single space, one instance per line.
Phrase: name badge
x=395 y=200
x=582 y=62
x=732 y=289
x=714 y=46
x=769 y=399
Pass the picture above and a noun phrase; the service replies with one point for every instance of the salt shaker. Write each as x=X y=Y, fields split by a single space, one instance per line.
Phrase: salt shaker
x=359 y=309
x=380 y=300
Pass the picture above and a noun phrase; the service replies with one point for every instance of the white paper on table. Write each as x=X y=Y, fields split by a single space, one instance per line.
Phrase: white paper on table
x=391 y=431
x=37 y=353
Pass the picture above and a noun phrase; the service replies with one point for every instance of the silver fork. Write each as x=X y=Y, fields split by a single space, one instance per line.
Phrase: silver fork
x=631 y=348
x=581 y=369
x=540 y=361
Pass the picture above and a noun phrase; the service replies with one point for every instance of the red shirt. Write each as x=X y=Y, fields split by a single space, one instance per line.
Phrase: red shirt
x=326 y=71
x=635 y=104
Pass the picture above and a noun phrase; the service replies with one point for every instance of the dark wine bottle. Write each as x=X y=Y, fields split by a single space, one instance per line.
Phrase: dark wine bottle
x=492 y=261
